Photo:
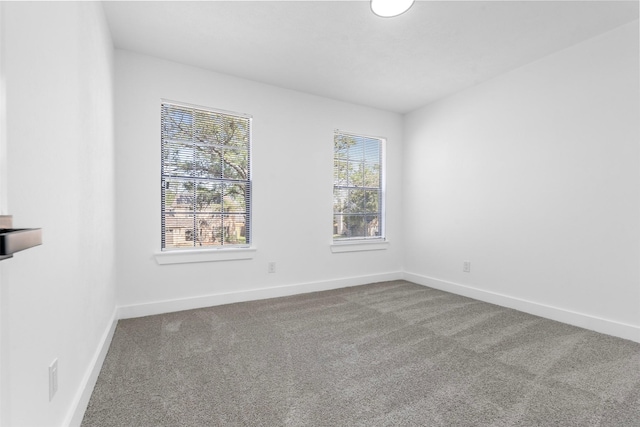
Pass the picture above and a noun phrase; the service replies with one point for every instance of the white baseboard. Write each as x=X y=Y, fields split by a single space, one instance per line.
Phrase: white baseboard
x=168 y=306
x=81 y=400
x=605 y=326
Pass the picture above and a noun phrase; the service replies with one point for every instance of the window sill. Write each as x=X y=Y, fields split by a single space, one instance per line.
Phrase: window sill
x=359 y=246
x=204 y=255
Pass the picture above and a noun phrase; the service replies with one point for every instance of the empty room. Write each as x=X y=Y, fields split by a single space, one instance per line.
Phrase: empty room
x=319 y=213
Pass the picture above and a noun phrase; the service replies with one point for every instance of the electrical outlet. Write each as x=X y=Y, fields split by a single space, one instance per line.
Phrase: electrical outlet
x=271 y=267
x=466 y=266
x=53 y=379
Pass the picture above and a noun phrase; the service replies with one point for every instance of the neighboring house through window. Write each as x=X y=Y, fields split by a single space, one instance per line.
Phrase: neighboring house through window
x=206 y=182
x=358 y=196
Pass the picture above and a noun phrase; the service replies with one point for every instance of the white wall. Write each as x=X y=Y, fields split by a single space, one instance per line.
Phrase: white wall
x=58 y=299
x=534 y=177
x=292 y=189
x=4 y=389
x=3 y=124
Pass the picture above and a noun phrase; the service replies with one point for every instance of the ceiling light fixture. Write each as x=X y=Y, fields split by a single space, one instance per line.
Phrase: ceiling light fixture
x=390 y=8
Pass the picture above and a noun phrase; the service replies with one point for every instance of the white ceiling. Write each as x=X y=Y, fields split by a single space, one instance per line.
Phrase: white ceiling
x=341 y=50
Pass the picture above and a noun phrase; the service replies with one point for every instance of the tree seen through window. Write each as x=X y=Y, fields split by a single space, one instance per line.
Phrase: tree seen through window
x=357 y=187
x=206 y=186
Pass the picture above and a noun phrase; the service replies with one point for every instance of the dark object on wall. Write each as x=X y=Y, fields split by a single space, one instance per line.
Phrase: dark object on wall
x=16 y=239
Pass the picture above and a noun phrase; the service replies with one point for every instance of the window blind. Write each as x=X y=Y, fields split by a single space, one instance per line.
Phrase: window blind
x=206 y=182
x=357 y=187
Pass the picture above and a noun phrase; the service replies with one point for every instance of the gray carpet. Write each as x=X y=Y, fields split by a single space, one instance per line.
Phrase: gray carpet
x=386 y=354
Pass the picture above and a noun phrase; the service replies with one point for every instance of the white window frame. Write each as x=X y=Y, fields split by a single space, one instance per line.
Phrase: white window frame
x=364 y=243
x=224 y=252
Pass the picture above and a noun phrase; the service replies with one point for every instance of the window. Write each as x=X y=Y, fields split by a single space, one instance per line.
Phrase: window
x=358 y=195
x=206 y=182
